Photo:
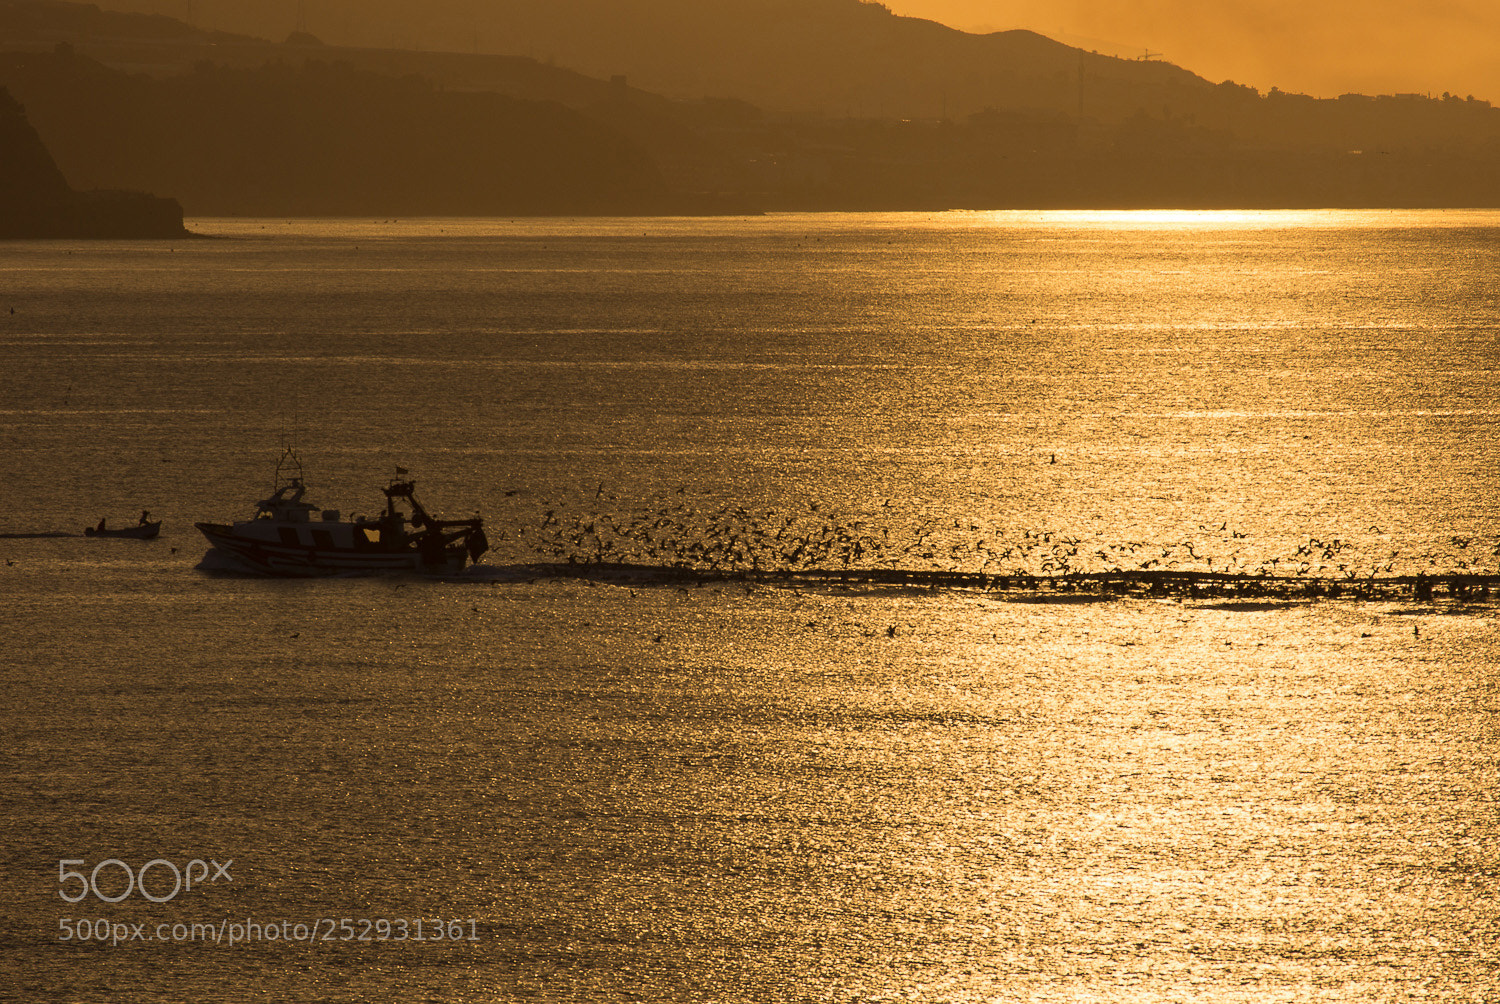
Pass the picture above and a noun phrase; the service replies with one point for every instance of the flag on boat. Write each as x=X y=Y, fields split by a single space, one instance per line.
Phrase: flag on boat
x=401 y=470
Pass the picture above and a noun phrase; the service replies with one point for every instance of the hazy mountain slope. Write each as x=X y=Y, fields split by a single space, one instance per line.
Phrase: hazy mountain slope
x=28 y=174
x=833 y=57
x=325 y=139
x=37 y=201
x=237 y=124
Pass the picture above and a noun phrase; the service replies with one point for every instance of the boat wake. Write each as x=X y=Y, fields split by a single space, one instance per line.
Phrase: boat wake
x=1224 y=590
x=684 y=543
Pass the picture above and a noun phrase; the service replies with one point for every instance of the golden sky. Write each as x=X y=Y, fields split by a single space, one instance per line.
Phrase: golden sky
x=1319 y=47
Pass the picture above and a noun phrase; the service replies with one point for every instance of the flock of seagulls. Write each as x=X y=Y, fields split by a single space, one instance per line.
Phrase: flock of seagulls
x=729 y=538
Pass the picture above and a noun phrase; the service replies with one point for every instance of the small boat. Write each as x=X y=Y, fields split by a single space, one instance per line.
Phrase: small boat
x=291 y=537
x=144 y=530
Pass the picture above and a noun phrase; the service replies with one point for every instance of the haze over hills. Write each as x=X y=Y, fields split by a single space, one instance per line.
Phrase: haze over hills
x=325 y=139
x=37 y=201
x=308 y=127
x=839 y=58
x=1321 y=47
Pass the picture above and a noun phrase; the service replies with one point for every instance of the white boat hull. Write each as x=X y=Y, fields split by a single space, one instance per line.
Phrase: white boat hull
x=290 y=536
x=308 y=561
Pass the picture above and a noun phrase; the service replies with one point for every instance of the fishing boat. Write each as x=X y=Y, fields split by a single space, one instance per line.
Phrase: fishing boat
x=144 y=530
x=290 y=536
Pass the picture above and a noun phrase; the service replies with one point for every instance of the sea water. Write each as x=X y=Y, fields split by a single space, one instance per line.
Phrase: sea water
x=522 y=785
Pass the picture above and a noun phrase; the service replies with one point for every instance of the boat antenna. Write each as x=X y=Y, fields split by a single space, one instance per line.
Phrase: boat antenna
x=289 y=467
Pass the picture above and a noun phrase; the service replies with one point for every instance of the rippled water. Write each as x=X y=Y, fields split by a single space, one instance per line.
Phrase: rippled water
x=721 y=790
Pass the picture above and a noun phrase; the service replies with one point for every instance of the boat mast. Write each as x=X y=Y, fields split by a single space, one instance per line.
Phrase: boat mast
x=288 y=468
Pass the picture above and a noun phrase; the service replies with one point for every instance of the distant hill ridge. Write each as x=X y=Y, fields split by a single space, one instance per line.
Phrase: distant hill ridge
x=821 y=59
x=237 y=124
x=37 y=201
x=317 y=138
x=824 y=57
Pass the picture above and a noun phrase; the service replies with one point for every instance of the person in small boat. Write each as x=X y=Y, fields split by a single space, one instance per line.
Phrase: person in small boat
x=145 y=517
x=100 y=527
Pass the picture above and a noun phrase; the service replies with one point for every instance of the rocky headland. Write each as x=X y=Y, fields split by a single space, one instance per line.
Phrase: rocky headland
x=37 y=201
